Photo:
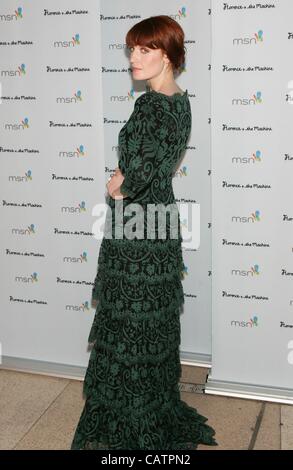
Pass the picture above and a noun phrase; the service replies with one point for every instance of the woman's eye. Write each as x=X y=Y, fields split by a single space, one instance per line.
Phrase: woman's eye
x=142 y=49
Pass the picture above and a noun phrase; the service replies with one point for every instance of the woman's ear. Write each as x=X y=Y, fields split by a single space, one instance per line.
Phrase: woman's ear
x=166 y=60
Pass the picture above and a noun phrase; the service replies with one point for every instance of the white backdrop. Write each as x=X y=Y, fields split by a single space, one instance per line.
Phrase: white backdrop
x=191 y=182
x=66 y=70
x=252 y=200
x=66 y=92
x=52 y=176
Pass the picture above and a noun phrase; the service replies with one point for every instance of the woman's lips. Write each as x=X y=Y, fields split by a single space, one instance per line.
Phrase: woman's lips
x=135 y=68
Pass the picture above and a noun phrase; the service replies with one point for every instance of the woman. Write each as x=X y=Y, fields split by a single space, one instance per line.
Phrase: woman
x=131 y=383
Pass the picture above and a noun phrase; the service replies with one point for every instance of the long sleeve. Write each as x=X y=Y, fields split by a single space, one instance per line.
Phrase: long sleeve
x=141 y=145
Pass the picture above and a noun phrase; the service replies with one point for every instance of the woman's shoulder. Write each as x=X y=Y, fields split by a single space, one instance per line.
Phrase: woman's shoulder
x=145 y=98
x=154 y=105
x=147 y=105
x=166 y=101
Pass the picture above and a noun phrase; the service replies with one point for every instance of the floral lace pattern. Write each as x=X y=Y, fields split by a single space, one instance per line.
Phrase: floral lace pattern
x=131 y=383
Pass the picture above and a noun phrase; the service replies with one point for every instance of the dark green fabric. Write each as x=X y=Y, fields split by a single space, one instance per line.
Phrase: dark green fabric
x=131 y=383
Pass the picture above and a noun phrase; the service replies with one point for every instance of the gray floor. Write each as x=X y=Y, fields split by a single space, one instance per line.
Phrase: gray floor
x=41 y=412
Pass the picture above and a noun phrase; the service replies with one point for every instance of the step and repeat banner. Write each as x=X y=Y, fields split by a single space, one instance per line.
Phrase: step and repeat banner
x=52 y=176
x=191 y=182
x=252 y=195
x=67 y=90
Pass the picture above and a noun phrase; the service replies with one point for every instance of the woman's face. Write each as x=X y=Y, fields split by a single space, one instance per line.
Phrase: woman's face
x=146 y=63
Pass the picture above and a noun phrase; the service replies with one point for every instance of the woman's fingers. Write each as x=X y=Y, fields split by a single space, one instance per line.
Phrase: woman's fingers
x=114 y=183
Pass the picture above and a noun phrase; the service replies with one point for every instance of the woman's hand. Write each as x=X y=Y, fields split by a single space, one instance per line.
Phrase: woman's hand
x=114 y=183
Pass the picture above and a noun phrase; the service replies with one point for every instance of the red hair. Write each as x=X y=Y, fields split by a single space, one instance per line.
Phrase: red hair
x=159 y=32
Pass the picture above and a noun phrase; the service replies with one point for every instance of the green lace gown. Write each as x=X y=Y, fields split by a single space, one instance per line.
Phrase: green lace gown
x=131 y=383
